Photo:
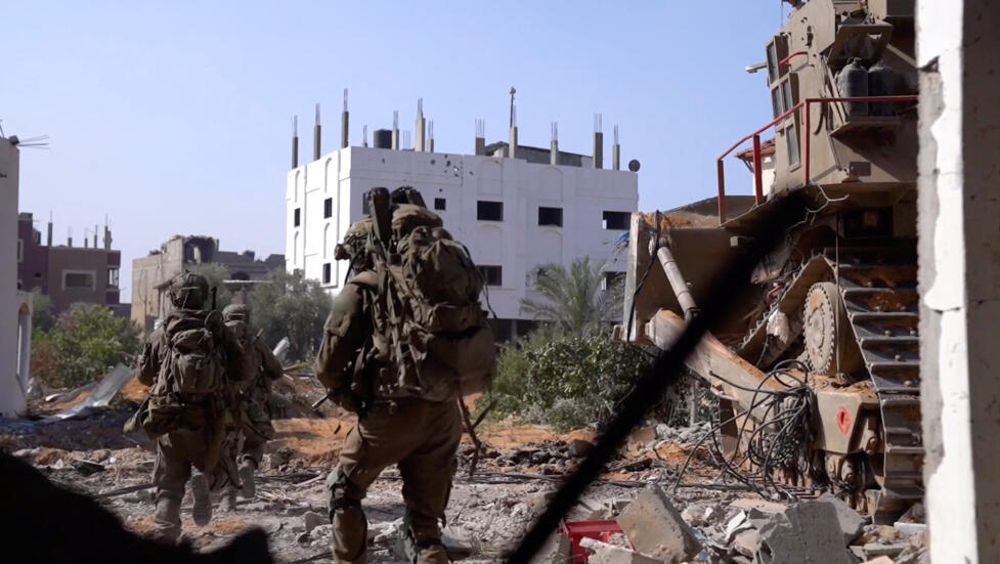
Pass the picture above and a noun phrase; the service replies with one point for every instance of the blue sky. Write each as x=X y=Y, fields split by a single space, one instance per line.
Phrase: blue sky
x=175 y=117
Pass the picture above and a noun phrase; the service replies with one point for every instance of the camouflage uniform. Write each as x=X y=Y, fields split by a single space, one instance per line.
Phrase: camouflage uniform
x=421 y=437
x=254 y=393
x=193 y=452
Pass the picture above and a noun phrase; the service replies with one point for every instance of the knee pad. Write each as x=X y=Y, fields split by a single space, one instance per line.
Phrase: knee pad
x=341 y=492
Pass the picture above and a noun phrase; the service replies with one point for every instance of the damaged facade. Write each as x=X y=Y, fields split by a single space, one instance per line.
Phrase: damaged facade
x=65 y=273
x=152 y=274
x=15 y=304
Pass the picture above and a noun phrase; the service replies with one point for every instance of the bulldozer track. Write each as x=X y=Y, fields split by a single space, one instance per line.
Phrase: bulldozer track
x=877 y=285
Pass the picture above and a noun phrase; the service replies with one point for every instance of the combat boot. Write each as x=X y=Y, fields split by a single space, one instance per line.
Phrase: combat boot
x=202 y=510
x=229 y=503
x=167 y=519
x=247 y=469
x=432 y=554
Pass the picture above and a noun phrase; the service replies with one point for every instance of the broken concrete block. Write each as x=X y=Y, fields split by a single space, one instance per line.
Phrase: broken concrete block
x=604 y=553
x=737 y=523
x=807 y=533
x=457 y=543
x=313 y=520
x=747 y=542
x=748 y=503
x=655 y=528
x=851 y=523
x=873 y=550
x=880 y=560
x=910 y=529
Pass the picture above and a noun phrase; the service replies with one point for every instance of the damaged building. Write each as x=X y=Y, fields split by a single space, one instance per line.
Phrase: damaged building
x=516 y=207
x=66 y=273
x=152 y=274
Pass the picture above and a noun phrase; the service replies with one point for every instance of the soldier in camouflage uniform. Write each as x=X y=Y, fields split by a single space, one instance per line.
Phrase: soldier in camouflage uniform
x=254 y=395
x=418 y=435
x=190 y=449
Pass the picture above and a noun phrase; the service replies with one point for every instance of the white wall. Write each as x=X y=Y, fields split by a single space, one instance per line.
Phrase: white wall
x=517 y=244
x=12 y=400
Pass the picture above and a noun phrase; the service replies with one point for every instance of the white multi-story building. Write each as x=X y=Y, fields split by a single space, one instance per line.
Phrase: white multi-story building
x=514 y=214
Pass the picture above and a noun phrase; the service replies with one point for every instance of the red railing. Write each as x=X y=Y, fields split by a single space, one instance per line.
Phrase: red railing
x=806 y=136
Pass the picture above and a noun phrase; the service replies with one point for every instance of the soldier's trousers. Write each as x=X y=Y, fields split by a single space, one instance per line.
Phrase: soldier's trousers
x=257 y=429
x=422 y=438
x=176 y=453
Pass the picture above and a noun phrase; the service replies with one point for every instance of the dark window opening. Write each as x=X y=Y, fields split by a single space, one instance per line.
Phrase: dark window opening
x=492 y=275
x=298 y=217
x=326 y=273
x=613 y=279
x=550 y=216
x=489 y=211
x=328 y=208
x=78 y=280
x=364 y=205
x=616 y=220
x=440 y=204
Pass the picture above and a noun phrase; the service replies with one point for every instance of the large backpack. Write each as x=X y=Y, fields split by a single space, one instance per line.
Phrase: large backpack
x=439 y=337
x=192 y=367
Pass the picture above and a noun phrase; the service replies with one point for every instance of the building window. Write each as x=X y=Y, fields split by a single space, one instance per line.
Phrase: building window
x=328 y=208
x=440 y=204
x=364 y=205
x=616 y=220
x=792 y=144
x=492 y=275
x=326 y=273
x=489 y=211
x=38 y=276
x=78 y=279
x=113 y=277
x=612 y=279
x=297 y=220
x=550 y=216
x=20 y=250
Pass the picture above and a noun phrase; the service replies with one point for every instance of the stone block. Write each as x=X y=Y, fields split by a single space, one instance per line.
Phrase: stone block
x=655 y=528
x=807 y=533
x=851 y=523
x=604 y=553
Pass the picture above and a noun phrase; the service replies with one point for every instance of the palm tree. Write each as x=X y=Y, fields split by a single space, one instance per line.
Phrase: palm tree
x=575 y=299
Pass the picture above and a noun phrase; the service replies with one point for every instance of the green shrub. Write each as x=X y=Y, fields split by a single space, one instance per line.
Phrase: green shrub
x=86 y=341
x=565 y=380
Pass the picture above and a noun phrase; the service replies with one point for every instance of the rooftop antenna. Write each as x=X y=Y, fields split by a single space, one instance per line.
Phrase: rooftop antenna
x=512 y=92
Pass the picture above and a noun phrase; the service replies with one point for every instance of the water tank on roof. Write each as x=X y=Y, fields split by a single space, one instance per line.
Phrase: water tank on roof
x=852 y=81
x=882 y=81
x=382 y=139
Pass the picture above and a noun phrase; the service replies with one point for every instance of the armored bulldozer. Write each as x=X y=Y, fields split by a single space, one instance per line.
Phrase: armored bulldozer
x=816 y=368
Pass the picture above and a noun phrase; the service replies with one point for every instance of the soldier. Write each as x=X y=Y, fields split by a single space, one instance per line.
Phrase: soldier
x=254 y=394
x=186 y=361
x=394 y=426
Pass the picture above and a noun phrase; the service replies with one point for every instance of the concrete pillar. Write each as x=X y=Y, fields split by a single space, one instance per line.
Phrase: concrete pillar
x=480 y=148
x=419 y=128
x=512 y=148
x=598 y=142
x=616 y=153
x=344 y=123
x=12 y=401
x=554 y=145
x=395 y=130
x=24 y=342
x=958 y=52
x=295 y=142
x=317 y=137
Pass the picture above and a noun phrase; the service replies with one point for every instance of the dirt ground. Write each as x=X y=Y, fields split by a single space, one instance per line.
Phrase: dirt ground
x=521 y=465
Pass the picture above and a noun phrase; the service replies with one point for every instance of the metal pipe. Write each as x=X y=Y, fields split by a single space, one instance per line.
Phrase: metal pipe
x=790 y=57
x=758 y=176
x=676 y=279
x=721 y=169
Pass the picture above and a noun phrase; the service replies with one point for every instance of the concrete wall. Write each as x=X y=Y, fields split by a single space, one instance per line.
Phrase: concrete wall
x=12 y=400
x=958 y=51
x=517 y=244
x=63 y=261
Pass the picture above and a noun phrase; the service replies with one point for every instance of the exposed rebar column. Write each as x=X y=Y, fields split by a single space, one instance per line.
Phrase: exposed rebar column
x=419 y=127
x=616 y=152
x=344 y=124
x=430 y=136
x=95 y=235
x=295 y=141
x=512 y=147
x=554 y=145
x=69 y=236
x=598 y=142
x=48 y=238
x=395 y=130
x=364 y=136
x=480 y=148
x=317 y=135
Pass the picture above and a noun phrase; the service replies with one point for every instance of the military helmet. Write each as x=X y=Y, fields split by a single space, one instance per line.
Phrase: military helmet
x=236 y=312
x=188 y=290
x=354 y=241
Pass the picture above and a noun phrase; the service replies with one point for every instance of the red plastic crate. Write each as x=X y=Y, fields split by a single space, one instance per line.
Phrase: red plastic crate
x=597 y=530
